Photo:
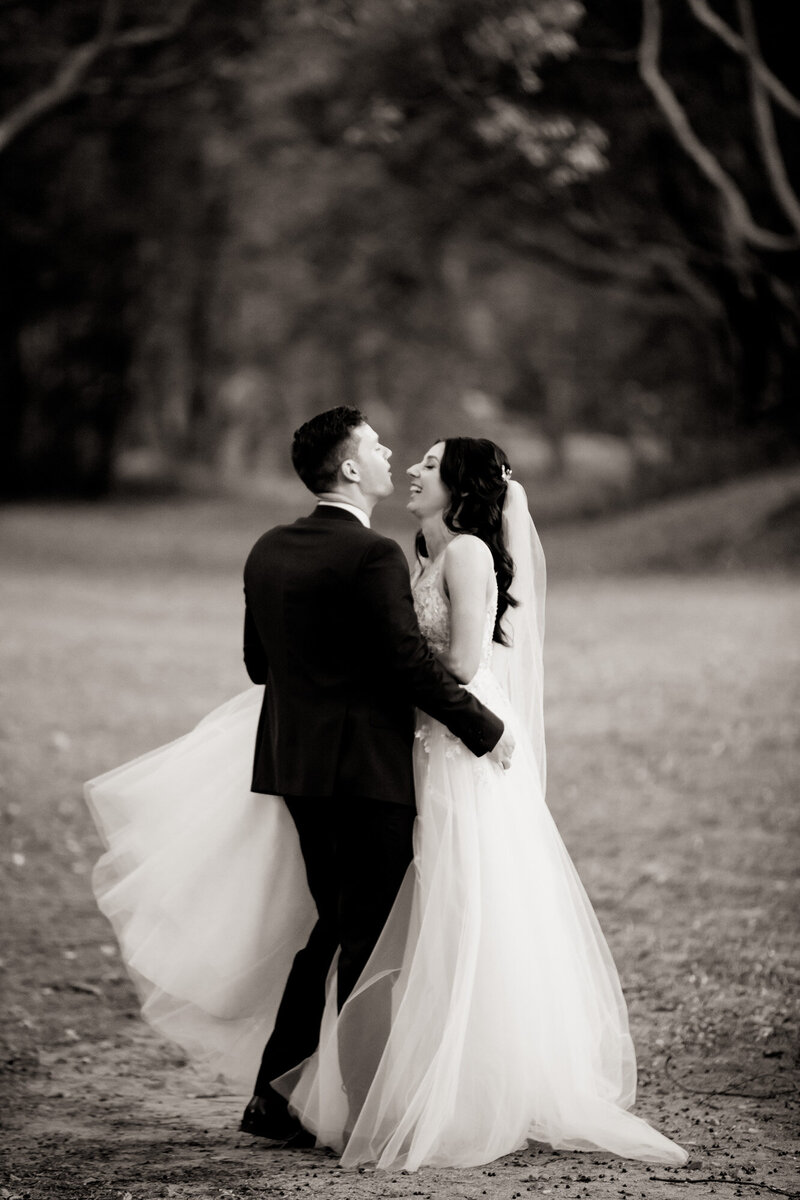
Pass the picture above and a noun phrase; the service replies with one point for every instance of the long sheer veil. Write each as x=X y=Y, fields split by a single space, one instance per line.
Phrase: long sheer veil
x=519 y=666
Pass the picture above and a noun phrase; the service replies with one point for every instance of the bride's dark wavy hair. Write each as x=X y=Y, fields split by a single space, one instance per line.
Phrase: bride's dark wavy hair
x=475 y=472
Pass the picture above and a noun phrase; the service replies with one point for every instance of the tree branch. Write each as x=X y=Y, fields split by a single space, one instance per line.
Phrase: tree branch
x=78 y=62
x=767 y=1187
x=66 y=81
x=740 y=217
x=732 y=1089
x=147 y=34
x=642 y=270
x=768 y=144
x=780 y=94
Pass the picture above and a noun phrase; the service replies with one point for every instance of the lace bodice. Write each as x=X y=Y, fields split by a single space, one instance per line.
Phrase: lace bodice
x=433 y=613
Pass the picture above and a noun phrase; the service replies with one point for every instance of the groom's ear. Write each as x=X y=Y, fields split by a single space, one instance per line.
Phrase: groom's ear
x=349 y=471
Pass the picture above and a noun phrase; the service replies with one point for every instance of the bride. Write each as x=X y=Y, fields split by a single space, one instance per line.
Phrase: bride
x=490 y=1011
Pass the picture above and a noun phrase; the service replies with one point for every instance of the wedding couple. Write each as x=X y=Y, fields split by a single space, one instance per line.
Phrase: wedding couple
x=389 y=907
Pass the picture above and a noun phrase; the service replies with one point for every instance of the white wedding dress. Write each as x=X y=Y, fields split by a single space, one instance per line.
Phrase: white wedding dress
x=490 y=1011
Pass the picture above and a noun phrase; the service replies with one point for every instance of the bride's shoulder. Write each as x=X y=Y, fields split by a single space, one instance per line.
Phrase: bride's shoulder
x=468 y=553
x=466 y=545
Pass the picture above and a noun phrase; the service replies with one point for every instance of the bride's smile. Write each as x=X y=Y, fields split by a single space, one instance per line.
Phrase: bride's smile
x=427 y=494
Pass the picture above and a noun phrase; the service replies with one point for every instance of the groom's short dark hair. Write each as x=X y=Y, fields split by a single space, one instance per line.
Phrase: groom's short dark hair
x=321 y=445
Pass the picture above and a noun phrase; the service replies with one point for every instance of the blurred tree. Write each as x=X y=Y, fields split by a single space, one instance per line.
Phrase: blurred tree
x=700 y=203
x=448 y=98
x=115 y=31
x=366 y=148
x=500 y=119
x=213 y=220
x=95 y=99
x=756 y=223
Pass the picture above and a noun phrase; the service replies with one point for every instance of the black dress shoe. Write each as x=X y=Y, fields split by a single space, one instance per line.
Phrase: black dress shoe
x=269 y=1117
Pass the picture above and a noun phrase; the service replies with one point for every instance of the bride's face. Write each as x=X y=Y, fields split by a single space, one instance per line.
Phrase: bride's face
x=429 y=496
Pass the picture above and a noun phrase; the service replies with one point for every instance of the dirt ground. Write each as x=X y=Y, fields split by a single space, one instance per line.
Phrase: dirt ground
x=673 y=767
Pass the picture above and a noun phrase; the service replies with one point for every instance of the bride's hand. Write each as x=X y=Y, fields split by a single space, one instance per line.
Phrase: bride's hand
x=504 y=749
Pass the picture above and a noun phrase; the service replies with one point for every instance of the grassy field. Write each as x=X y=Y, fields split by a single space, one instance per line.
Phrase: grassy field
x=673 y=763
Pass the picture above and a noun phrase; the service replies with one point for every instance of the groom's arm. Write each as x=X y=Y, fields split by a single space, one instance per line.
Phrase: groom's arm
x=255 y=660
x=387 y=607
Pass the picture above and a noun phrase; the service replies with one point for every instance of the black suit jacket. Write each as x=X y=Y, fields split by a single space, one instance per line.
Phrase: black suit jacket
x=330 y=629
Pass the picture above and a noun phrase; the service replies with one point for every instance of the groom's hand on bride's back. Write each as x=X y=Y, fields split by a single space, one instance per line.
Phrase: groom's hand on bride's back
x=504 y=749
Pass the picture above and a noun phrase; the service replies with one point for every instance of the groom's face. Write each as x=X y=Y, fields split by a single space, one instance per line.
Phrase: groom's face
x=372 y=460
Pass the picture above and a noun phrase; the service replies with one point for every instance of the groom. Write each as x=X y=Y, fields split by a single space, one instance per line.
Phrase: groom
x=330 y=629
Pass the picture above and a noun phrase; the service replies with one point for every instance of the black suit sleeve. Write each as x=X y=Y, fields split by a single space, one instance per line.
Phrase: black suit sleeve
x=387 y=608
x=255 y=660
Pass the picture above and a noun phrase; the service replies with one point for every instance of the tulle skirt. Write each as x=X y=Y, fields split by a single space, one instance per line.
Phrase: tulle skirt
x=204 y=884
x=490 y=1012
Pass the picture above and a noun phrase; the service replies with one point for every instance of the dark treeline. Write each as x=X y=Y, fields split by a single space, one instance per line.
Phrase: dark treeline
x=545 y=221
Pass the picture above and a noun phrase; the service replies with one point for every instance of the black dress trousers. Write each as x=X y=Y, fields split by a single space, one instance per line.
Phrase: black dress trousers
x=356 y=853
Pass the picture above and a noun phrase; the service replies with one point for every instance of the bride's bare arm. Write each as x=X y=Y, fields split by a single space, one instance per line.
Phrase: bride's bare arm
x=468 y=568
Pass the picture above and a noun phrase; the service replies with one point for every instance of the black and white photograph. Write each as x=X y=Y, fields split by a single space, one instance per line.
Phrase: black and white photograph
x=399 y=599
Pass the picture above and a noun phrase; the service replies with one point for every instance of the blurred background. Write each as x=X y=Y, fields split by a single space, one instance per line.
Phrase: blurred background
x=573 y=228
